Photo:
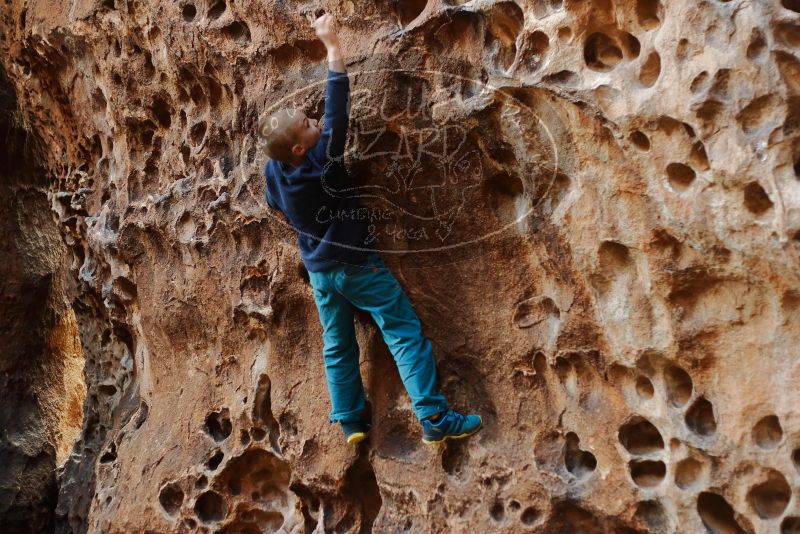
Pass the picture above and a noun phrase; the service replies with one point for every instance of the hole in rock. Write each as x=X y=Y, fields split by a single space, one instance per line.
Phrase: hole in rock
x=171 y=498
x=788 y=34
x=682 y=49
x=201 y=482
x=767 y=433
x=149 y=68
x=163 y=112
x=601 y=52
x=197 y=94
x=218 y=426
x=503 y=23
x=759 y=113
x=647 y=473
x=578 y=462
x=789 y=69
x=408 y=10
x=362 y=491
x=757 y=44
x=698 y=156
x=514 y=504
x=678 y=384
x=564 y=34
x=507 y=184
x=688 y=473
x=562 y=77
x=99 y=102
x=708 y=110
x=700 y=418
x=613 y=256
x=537 y=310
x=497 y=511
x=454 y=459
x=680 y=176
x=651 y=70
x=107 y=389
x=214 y=91
x=644 y=387
x=720 y=86
x=462 y=33
x=614 y=261
x=640 y=436
x=258 y=433
x=647 y=13
x=631 y=45
x=215 y=460
x=543 y=8
x=790 y=525
x=217 y=9
x=262 y=404
x=198 y=132
x=189 y=12
x=796 y=458
x=529 y=516
x=237 y=31
x=792 y=5
x=698 y=82
x=110 y=455
x=756 y=199
x=654 y=516
x=567 y=375
x=717 y=515
x=770 y=498
x=186 y=153
x=538 y=45
x=210 y=507
x=640 y=140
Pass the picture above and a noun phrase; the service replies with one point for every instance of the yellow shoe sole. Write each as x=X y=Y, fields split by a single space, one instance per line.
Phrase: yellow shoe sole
x=460 y=436
x=356 y=437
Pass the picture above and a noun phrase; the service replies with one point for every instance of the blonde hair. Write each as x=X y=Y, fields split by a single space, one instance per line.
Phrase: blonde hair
x=273 y=129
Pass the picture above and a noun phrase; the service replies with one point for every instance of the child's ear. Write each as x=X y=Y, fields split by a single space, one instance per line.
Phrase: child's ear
x=298 y=150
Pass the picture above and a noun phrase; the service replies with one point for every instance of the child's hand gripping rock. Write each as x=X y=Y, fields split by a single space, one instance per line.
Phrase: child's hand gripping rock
x=325 y=31
x=324 y=26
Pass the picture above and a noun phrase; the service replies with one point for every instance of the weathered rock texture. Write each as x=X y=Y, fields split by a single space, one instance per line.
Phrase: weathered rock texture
x=600 y=235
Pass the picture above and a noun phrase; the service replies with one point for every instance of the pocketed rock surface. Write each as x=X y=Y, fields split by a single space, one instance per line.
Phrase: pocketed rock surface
x=594 y=208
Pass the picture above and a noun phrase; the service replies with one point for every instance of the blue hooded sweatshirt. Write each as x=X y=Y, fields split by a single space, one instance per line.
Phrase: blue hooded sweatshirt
x=317 y=196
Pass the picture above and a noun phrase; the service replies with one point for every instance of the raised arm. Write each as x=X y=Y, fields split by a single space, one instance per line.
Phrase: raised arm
x=327 y=34
x=337 y=95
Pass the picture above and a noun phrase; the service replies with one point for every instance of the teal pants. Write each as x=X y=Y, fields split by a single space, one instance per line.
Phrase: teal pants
x=373 y=288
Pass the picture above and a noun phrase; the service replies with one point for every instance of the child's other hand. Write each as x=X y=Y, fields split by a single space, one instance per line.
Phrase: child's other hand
x=325 y=30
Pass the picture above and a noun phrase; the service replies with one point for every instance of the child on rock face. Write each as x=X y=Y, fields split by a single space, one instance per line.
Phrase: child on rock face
x=305 y=169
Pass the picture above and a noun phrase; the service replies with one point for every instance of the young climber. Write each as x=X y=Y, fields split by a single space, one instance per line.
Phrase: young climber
x=304 y=174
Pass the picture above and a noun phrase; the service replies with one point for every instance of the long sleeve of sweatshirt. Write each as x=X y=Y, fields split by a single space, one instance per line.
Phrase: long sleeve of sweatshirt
x=335 y=118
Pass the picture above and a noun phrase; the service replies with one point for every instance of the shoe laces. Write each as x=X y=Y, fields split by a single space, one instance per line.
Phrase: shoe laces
x=459 y=418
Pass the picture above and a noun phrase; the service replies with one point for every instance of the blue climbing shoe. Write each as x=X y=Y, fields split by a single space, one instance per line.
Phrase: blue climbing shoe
x=355 y=431
x=450 y=425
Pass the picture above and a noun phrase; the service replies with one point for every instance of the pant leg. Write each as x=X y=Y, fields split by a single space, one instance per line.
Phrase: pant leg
x=375 y=289
x=340 y=350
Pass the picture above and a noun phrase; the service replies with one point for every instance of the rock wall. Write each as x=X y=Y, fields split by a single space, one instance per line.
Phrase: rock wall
x=594 y=207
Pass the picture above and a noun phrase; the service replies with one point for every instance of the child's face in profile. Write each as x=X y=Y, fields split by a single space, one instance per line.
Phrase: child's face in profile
x=305 y=132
